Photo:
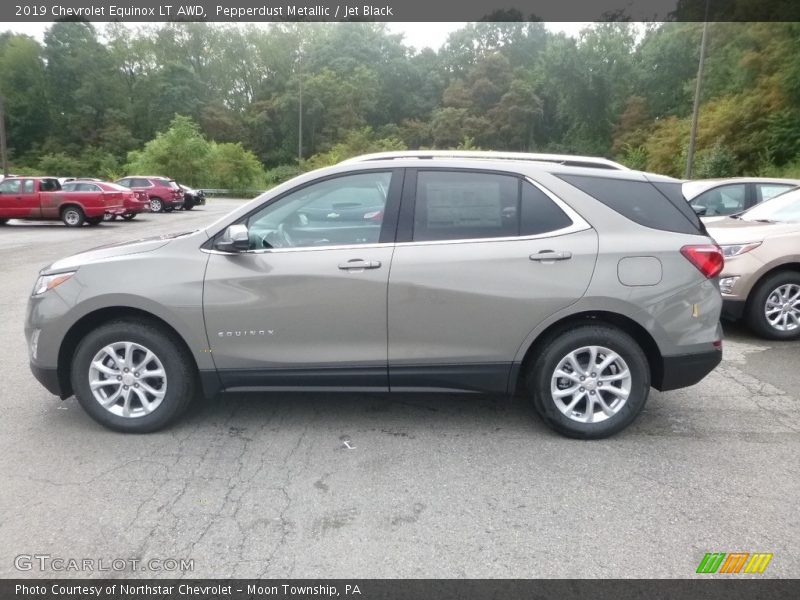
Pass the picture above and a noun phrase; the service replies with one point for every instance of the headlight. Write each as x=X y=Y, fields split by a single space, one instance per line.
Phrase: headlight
x=732 y=250
x=48 y=282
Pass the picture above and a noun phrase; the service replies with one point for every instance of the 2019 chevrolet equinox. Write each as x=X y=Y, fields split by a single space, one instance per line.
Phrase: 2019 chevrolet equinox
x=583 y=287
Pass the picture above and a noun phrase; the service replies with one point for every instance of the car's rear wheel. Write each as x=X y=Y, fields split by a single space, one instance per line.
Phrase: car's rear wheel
x=156 y=205
x=188 y=205
x=132 y=376
x=72 y=216
x=590 y=381
x=773 y=310
x=129 y=216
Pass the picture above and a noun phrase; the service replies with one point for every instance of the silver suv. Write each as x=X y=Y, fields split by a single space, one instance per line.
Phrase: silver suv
x=581 y=287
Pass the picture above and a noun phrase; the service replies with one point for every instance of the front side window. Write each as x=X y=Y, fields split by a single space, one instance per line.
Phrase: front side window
x=343 y=211
x=27 y=186
x=10 y=186
x=723 y=200
x=453 y=205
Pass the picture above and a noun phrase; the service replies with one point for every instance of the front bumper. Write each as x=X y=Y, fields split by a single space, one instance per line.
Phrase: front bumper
x=684 y=370
x=48 y=377
x=733 y=310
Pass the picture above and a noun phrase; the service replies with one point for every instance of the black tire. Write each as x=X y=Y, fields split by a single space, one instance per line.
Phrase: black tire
x=94 y=220
x=169 y=209
x=557 y=348
x=757 y=302
x=188 y=205
x=73 y=216
x=129 y=216
x=3 y=221
x=181 y=377
x=156 y=205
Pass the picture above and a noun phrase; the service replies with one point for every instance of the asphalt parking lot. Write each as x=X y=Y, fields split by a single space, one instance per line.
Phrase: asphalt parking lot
x=409 y=486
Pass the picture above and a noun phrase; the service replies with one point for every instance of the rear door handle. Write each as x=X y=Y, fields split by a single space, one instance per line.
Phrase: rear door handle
x=358 y=263
x=547 y=255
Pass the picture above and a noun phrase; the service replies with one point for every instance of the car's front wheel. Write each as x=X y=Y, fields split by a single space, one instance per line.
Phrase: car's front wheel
x=773 y=310
x=132 y=376
x=590 y=381
x=156 y=205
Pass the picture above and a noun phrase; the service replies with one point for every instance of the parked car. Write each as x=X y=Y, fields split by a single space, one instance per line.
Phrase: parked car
x=192 y=197
x=41 y=198
x=714 y=199
x=133 y=202
x=163 y=193
x=584 y=287
x=761 y=279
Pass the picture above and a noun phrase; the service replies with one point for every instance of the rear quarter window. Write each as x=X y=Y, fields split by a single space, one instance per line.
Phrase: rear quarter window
x=639 y=201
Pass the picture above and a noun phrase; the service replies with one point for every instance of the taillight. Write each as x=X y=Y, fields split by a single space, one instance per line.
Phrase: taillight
x=706 y=257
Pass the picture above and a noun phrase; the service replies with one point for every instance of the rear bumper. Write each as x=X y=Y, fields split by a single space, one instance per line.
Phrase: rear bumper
x=685 y=369
x=733 y=310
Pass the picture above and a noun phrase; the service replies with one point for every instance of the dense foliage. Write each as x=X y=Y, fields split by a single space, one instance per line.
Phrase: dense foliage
x=219 y=105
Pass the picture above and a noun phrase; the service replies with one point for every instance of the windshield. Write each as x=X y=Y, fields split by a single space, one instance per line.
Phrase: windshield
x=782 y=209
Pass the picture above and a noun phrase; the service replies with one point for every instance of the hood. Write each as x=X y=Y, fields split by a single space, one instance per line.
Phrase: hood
x=111 y=251
x=739 y=231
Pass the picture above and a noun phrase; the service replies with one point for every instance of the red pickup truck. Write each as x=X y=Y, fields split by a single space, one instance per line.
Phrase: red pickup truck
x=41 y=198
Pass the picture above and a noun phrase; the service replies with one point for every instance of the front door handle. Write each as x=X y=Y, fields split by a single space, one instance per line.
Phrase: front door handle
x=548 y=255
x=358 y=263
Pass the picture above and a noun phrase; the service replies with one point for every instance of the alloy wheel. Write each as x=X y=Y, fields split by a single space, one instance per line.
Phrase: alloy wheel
x=591 y=384
x=127 y=379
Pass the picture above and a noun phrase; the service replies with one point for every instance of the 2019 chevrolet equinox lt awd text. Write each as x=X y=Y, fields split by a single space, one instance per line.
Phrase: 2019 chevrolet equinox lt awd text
x=583 y=287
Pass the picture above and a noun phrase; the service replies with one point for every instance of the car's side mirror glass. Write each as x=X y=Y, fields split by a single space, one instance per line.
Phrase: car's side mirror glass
x=235 y=239
x=700 y=211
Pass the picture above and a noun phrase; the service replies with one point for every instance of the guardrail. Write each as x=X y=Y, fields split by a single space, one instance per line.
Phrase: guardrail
x=231 y=193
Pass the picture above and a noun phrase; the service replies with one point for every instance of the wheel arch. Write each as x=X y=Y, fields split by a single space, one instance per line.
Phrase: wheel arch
x=792 y=267
x=642 y=337
x=95 y=319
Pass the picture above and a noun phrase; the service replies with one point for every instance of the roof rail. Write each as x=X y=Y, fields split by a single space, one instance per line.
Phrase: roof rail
x=563 y=159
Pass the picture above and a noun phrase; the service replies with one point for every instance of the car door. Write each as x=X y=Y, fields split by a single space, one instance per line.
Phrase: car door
x=11 y=199
x=481 y=259
x=29 y=201
x=305 y=306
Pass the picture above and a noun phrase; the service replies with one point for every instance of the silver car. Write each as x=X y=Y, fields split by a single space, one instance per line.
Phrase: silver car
x=580 y=287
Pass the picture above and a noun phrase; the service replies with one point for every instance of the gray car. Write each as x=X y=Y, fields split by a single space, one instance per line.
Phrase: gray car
x=579 y=287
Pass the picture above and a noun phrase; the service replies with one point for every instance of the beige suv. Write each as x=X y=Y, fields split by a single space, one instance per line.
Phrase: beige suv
x=761 y=278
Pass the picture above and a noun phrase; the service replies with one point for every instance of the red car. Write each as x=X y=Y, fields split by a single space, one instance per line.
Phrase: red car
x=41 y=198
x=133 y=202
x=164 y=194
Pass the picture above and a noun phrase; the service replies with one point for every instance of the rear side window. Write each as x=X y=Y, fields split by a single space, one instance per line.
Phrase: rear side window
x=460 y=205
x=27 y=187
x=639 y=201
x=539 y=214
x=674 y=193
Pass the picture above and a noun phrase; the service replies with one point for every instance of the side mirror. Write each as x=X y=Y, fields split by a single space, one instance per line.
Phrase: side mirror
x=700 y=211
x=235 y=239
